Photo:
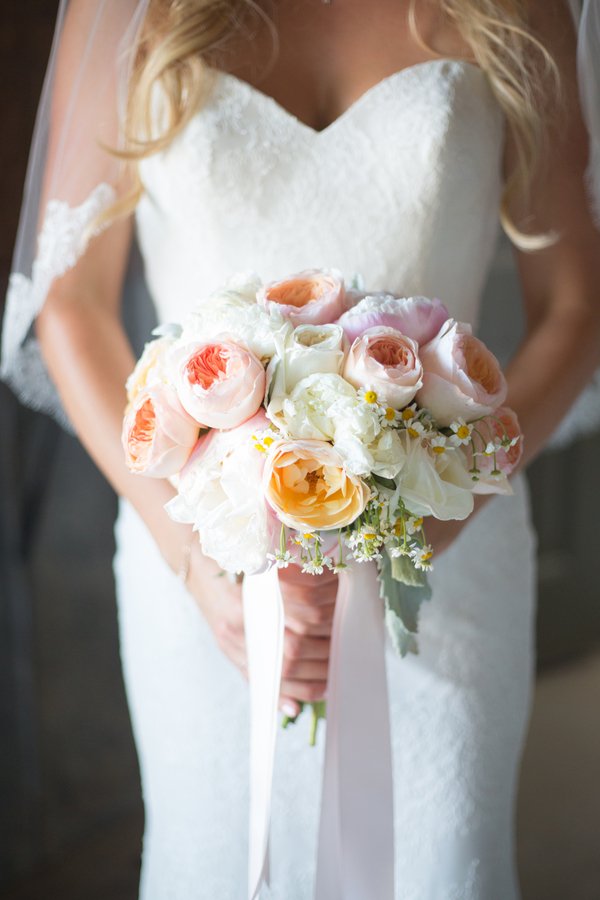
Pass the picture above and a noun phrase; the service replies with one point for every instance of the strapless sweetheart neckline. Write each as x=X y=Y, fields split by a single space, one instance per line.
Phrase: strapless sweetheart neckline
x=417 y=70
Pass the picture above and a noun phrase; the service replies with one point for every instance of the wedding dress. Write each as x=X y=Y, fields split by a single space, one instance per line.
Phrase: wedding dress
x=404 y=189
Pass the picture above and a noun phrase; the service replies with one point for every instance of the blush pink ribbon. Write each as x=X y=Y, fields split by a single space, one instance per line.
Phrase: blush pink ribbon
x=356 y=836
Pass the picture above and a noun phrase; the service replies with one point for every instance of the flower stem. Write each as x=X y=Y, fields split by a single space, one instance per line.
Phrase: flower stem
x=318 y=712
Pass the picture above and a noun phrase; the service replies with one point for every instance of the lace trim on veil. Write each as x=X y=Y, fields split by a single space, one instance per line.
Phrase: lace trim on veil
x=62 y=242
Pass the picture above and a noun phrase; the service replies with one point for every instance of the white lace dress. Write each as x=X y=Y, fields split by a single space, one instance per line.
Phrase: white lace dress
x=403 y=188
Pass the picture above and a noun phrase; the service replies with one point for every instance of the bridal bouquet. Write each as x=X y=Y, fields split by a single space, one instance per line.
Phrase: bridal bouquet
x=312 y=424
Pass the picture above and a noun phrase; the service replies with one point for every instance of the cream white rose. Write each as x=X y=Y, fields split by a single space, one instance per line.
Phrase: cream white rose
x=261 y=331
x=311 y=349
x=150 y=368
x=221 y=495
x=434 y=484
x=316 y=407
x=382 y=456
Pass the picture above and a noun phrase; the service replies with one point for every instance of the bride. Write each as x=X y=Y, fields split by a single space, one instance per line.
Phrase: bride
x=387 y=138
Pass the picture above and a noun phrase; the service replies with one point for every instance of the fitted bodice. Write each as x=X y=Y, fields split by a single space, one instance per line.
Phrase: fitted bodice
x=402 y=189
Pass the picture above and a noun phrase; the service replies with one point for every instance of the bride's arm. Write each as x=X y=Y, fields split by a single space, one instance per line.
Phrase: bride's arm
x=560 y=349
x=561 y=284
x=89 y=358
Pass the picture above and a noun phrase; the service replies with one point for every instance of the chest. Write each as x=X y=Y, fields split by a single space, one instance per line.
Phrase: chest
x=317 y=58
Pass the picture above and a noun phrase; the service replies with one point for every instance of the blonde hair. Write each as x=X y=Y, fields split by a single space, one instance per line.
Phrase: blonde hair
x=178 y=35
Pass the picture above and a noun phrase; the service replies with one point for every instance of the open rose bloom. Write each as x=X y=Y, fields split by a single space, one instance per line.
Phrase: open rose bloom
x=311 y=424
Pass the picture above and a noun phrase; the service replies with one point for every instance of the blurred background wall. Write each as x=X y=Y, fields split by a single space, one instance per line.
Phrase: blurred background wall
x=70 y=807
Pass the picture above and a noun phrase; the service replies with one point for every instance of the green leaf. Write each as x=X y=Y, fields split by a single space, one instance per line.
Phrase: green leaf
x=388 y=483
x=402 y=606
x=403 y=570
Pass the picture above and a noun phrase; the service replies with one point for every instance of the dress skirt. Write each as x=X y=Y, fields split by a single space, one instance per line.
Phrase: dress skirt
x=458 y=714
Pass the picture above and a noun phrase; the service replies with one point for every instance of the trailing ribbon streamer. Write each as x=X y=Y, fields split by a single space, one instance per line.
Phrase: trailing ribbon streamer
x=356 y=835
x=263 y=624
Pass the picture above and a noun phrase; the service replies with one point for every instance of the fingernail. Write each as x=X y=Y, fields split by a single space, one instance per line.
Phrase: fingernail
x=290 y=709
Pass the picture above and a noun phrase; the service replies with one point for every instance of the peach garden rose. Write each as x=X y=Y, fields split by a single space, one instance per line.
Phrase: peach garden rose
x=500 y=442
x=312 y=297
x=307 y=485
x=158 y=435
x=386 y=362
x=462 y=379
x=219 y=383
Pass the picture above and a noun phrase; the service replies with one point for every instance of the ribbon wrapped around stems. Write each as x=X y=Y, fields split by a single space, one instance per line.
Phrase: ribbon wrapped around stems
x=356 y=835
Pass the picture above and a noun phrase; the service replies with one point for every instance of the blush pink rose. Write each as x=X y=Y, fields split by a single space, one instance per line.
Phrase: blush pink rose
x=418 y=318
x=219 y=383
x=494 y=468
x=386 y=362
x=313 y=297
x=158 y=435
x=461 y=377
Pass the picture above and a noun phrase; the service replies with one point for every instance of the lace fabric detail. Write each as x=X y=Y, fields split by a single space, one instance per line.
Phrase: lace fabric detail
x=65 y=234
x=247 y=186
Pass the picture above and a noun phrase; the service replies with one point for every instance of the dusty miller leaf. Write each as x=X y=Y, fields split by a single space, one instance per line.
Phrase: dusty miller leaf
x=403 y=570
x=402 y=605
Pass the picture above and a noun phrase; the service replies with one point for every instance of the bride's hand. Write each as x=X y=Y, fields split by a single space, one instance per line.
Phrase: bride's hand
x=220 y=601
x=309 y=602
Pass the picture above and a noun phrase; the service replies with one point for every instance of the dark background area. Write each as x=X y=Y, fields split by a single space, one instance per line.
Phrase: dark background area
x=70 y=808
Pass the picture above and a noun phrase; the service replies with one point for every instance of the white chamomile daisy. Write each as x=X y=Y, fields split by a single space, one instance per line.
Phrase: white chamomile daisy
x=368 y=535
x=414 y=524
x=281 y=558
x=389 y=416
x=416 y=429
x=409 y=413
x=438 y=443
x=421 y=557
x=307 y=539
x=316 y=567
x=369 y=396
x=462 y=432
x=397 y=550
